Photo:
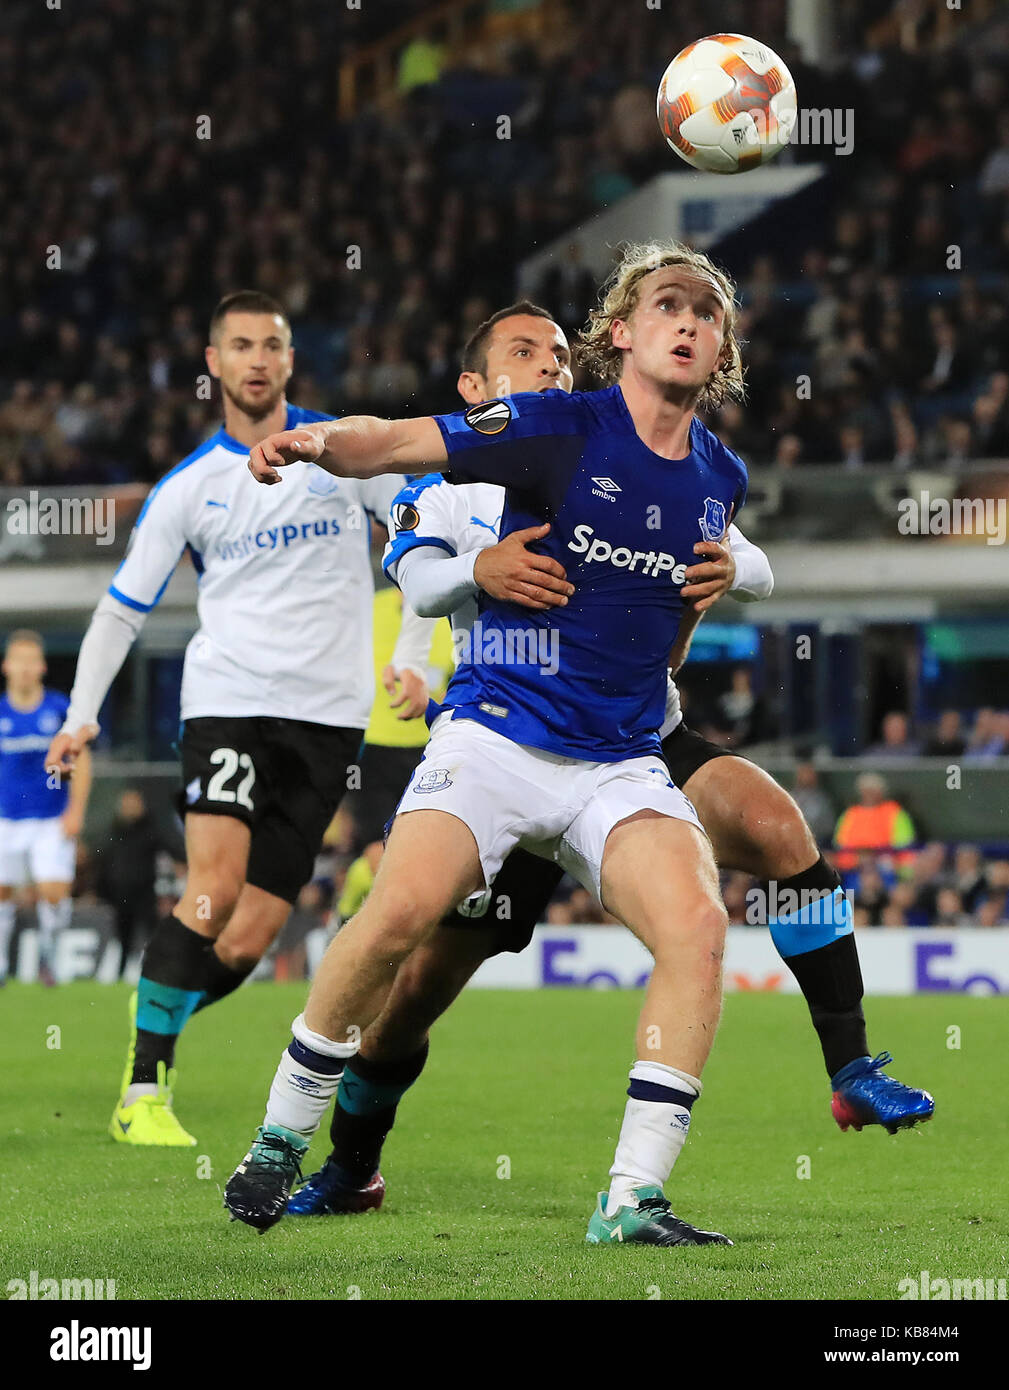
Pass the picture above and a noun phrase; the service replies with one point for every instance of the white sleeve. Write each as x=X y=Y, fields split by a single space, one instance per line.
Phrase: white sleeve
x=155 y=548
x=111 y=632
x=754 y=580
x=426 y=513
x=413 y=645
x=433 y=583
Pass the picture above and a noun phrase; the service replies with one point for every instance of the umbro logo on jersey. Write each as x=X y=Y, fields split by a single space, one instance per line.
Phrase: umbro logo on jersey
x=605 y=487
x=489 y=417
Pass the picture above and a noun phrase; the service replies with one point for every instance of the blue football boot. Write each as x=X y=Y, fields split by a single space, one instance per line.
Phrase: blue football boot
x=865 y=1095
x=327 y=1193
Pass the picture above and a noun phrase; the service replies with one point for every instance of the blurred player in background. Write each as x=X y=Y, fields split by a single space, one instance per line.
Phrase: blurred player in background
x=276 y=692
x=443 y=552
x=394 y=745
x=40 y=815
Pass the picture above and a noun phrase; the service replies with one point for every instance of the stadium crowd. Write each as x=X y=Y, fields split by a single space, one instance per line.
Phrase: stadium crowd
x=125 y=227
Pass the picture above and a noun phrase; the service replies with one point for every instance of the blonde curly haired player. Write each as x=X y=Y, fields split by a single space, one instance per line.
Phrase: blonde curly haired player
x=597 y=350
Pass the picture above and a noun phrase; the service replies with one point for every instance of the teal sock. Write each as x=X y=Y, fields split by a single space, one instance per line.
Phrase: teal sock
x=171 y=983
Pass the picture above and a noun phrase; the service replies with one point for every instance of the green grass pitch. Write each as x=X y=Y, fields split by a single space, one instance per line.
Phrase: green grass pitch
x=529 y=1084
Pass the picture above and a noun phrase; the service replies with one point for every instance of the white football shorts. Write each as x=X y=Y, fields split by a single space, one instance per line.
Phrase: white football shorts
x=36 y=850
x=509 y=794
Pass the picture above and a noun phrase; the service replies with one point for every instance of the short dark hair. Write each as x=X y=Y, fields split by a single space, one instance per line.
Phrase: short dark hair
x=474 y=354
x=245 y=302
x=25 y=634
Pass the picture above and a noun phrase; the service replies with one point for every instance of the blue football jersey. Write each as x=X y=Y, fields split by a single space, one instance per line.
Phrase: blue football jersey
x=25 y=736
x=587 y=680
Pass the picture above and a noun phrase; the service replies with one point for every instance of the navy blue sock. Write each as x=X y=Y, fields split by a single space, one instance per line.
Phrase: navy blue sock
x=365 y=1111
x=220 y=980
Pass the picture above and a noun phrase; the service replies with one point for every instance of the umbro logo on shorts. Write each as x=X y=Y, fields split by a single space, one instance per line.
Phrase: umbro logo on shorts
x=489 y=417
x=434 y=781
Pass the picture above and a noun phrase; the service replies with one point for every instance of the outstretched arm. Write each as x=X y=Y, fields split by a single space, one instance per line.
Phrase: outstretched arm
x=359 y=446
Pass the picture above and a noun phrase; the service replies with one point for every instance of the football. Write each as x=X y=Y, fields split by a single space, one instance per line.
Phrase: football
x=726 y=103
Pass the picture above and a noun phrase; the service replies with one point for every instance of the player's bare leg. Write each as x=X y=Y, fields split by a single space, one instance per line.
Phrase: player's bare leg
x=431 y=863
x=217 y=852
x=257 y=920
x=659 y=877
x=392 y=1055
x=752 y=822
x=174 y=976
x=755 y=826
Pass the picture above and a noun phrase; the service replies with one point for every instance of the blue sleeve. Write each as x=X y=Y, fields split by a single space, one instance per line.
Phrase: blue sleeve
x=521 y=441
x=726 y=459
x=744 y=483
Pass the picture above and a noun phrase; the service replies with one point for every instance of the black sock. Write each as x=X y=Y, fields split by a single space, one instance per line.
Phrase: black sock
x=220 y=979
x=830 y=979
x=171 y=983
x=365 y=1110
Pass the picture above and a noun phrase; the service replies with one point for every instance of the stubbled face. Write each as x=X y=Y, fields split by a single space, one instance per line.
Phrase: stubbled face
x=673 y=336
x=24 y=667
x=524 y=353
x=253 y=359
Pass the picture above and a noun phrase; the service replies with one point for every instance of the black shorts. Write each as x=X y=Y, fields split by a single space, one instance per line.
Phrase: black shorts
x=284 y=778
x=519 y=897
x=514 y=904
x=385 y=772
x=685 y=751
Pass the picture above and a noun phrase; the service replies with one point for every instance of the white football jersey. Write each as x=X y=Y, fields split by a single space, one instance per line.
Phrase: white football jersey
x=462 y=517
x=457 y=519
x=285 y=582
